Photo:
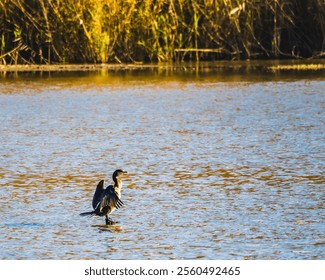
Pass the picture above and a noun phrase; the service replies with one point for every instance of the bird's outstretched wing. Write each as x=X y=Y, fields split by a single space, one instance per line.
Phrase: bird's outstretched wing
x=98 y=194
x=109 y=200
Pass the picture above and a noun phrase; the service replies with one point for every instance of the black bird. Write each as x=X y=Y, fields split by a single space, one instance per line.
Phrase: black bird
x=105 y=201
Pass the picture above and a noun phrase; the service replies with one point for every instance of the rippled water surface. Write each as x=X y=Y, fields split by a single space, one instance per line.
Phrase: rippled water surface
x=221 y=165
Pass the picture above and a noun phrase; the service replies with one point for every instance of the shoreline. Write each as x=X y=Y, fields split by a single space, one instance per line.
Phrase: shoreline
x=71 y=67
x=273 y=65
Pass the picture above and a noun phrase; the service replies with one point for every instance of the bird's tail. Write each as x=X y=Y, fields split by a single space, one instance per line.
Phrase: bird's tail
x=88 y=213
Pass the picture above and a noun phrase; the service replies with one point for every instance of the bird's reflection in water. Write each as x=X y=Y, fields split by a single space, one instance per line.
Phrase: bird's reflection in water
x=109 y=228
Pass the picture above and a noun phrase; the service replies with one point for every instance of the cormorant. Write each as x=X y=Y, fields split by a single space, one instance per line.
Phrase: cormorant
x=105 y=201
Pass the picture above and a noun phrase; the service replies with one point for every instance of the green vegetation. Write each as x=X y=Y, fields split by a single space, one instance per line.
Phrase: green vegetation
x=103 y=31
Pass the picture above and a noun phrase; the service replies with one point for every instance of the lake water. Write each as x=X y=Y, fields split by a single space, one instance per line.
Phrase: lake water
x=222 y=164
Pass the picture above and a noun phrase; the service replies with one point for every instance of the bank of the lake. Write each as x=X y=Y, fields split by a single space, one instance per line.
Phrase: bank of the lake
x=274 y=65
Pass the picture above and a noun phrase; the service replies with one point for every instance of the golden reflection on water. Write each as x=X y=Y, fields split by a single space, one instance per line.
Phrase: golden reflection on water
x=164 y=76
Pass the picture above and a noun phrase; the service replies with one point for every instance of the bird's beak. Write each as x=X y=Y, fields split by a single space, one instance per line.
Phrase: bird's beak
x=125 y=172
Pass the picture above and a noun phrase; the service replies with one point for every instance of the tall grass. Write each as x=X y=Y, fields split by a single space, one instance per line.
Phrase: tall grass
x=100 y=31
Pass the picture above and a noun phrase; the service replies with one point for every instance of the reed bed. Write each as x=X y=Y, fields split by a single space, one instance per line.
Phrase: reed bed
x=106 y=31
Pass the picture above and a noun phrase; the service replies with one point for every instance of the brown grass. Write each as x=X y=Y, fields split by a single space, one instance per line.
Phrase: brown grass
x=101 y=31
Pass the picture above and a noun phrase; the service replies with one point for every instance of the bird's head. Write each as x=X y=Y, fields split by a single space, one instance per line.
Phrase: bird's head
x=118 y=174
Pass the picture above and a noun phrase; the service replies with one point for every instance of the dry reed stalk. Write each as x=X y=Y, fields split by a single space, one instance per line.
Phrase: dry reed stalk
x=97 y=31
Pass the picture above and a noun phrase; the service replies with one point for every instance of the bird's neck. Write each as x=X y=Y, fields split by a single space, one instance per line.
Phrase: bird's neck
x=118 y=183
x=118 y=186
